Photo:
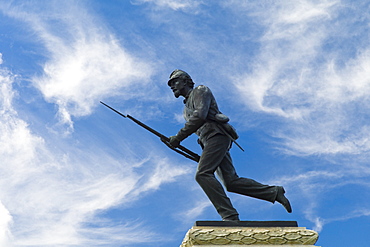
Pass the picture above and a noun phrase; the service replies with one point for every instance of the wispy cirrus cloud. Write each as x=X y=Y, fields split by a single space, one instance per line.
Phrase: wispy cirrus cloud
x=5 y=225
x=313 y=87
x=53 y=192
x=51 y=198
x=85 y=62
x=310 y=77
x=173 y=4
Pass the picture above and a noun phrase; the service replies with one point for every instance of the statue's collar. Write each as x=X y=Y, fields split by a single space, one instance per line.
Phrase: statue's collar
x=187 y=96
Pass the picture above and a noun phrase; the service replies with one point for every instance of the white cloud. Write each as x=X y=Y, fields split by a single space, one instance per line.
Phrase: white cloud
x=194 y=213
x=289 y=44
x=36 y=190
x=85 y=64
x=5 y=223
x=80 y=75
x=1 y=58
x=51 y=194
x=312 y=191
x=162 y=173
x=300 y=80
x=173 y=4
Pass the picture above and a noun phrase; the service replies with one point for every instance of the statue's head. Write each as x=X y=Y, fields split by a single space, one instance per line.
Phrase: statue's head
x=180 y=82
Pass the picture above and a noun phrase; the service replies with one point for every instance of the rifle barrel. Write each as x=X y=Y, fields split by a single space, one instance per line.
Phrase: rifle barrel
x=148 y=128
x=185 y=152
x=182 y=148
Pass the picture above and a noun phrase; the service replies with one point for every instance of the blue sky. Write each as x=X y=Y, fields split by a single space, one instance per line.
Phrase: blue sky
x=293 y=76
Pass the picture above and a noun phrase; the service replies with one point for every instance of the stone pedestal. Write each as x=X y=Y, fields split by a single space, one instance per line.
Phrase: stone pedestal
x=246 y=233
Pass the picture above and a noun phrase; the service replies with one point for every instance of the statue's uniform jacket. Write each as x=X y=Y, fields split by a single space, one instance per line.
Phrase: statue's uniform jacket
x=199 y=113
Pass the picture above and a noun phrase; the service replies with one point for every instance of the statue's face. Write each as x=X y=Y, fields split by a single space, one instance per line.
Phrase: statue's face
x=178 y=87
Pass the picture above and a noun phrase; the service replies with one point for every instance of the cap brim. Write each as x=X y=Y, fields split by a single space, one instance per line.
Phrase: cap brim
x=171 y=80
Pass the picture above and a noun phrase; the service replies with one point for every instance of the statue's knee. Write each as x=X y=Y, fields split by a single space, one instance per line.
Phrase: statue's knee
x=201 y=177
x=229 y=187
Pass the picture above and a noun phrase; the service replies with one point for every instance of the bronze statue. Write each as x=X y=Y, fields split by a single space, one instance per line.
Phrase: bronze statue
x=215 y=138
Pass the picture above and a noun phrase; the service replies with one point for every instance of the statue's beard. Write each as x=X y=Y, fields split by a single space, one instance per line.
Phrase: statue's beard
x=176 y=93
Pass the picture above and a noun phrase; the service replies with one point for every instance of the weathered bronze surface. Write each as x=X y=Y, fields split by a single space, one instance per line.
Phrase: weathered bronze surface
x=202 y=117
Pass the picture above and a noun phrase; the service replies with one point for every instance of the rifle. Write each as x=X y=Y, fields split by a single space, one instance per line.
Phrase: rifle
x=180 y=149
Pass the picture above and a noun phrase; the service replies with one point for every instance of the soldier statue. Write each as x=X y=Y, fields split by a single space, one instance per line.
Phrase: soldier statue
x=215 y=138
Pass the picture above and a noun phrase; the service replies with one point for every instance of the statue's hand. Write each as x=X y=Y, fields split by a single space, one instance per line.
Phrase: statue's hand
x=174 y=141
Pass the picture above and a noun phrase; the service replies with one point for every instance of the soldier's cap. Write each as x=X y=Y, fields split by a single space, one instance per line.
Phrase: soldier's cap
x=178 y=74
